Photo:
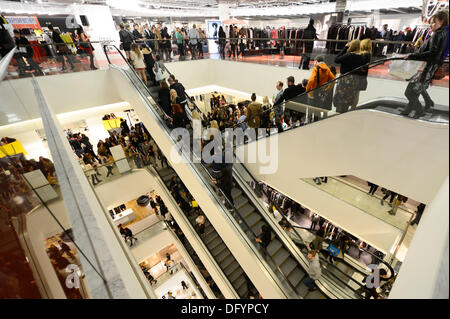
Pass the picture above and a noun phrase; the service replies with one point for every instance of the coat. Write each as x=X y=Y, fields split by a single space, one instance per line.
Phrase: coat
x=325 y=75
x=254 y=111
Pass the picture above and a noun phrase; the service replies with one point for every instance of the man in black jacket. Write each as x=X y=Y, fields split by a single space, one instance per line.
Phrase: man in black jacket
x=61 y=49
x=181 y=92
x=25 y=52
x=291 y=91
x=136 y=34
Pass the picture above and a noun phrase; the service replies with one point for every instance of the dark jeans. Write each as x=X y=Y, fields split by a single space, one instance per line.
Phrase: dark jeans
x=22 y=66
x=61 y=59
x=373 y=189
x=392 y=194
x=222 y=50
x=310 y=283
x=110 y=168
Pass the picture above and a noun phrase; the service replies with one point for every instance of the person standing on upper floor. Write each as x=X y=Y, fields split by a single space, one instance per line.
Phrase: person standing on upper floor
x=125 y=39
x=124 y=126
x=278 y=107
x=193 y=39
x=136 y=34
x=86 y=47
x=149 y=35
x=222 y=42
x=254 y=110
x=242 y=42
x=310 y=33
x=25 y=52
x=366 y=54
x=180 y=44
x=234 y=35
x=349 y=58
x=314 y=270
x=201 y=42
x=432 y=52
x=62 y=50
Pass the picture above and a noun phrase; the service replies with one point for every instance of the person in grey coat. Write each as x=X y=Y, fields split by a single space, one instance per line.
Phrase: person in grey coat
x=314 y=270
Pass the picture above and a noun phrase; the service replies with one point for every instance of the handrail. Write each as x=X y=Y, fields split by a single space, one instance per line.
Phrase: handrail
x=391 y=270
x=242 y=221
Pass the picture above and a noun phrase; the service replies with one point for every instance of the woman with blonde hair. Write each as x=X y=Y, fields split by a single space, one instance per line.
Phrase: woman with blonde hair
x=347 y=93
x=177 y=111
x=137 y=59
x=366 y=54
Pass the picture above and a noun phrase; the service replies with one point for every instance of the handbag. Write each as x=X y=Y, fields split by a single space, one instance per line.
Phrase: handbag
x=160 y=74
x=441 y=71
x=404 y=69
x=344 y=95
x=333 y=250
x=320 y=94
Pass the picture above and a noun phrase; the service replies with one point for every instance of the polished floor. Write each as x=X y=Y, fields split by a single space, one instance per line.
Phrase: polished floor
x=365 y=202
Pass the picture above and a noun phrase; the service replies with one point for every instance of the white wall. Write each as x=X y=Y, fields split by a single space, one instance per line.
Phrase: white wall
x=425 y=271
x=261 y=79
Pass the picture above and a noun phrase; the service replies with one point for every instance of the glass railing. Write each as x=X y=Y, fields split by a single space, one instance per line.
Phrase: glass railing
x=37 y=223
x=38 y=59
x=47 y=59
x=332 y=275
x=291 y=53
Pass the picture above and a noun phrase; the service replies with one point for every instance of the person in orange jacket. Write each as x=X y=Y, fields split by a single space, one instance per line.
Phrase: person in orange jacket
x=323 y=71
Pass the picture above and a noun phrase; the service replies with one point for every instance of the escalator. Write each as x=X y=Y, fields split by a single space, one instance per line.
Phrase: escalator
x=220 y=252
x=285 y=260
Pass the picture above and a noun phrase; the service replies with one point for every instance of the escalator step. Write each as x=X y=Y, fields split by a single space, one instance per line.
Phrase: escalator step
x=246 y=210
x=221 y=255
x=214 y=243
x=242 y=291
x=296 y=276
x=239 y=202
x=240 y=281
x=302 y=289
x=281 y=256
x=230 y=268
x=288 y=266
x=218 y=249
x=210 y=237
x=257 y=228
x=252 y=219
x=273 y=247
x=227 y=261
x=234 y=276
x=235 y=192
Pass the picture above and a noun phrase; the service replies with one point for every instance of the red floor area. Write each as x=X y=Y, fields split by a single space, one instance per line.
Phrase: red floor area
x=52 y=67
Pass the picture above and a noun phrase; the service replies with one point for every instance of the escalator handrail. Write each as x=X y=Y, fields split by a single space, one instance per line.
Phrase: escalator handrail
x=368 y=65
x=242 y=220
x=391 y=270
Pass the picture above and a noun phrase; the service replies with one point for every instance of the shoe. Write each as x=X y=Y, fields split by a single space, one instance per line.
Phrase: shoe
x=428 y=106
x=94 y=68
x=382 y=203
x=405 y=112
x=418 y=114
x=391 y=212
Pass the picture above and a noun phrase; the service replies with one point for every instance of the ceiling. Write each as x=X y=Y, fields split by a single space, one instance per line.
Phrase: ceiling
x=242 y=9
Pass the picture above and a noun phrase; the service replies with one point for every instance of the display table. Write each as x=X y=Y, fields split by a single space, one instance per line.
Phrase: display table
x=111 y=124
x=12 y=149
x=127 y=216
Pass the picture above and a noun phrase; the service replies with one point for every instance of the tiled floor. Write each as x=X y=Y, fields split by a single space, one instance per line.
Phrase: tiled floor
x=365 y=202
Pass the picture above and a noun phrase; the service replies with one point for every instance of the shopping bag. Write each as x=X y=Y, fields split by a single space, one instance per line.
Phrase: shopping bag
x=405 y=69
x=333 y=250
